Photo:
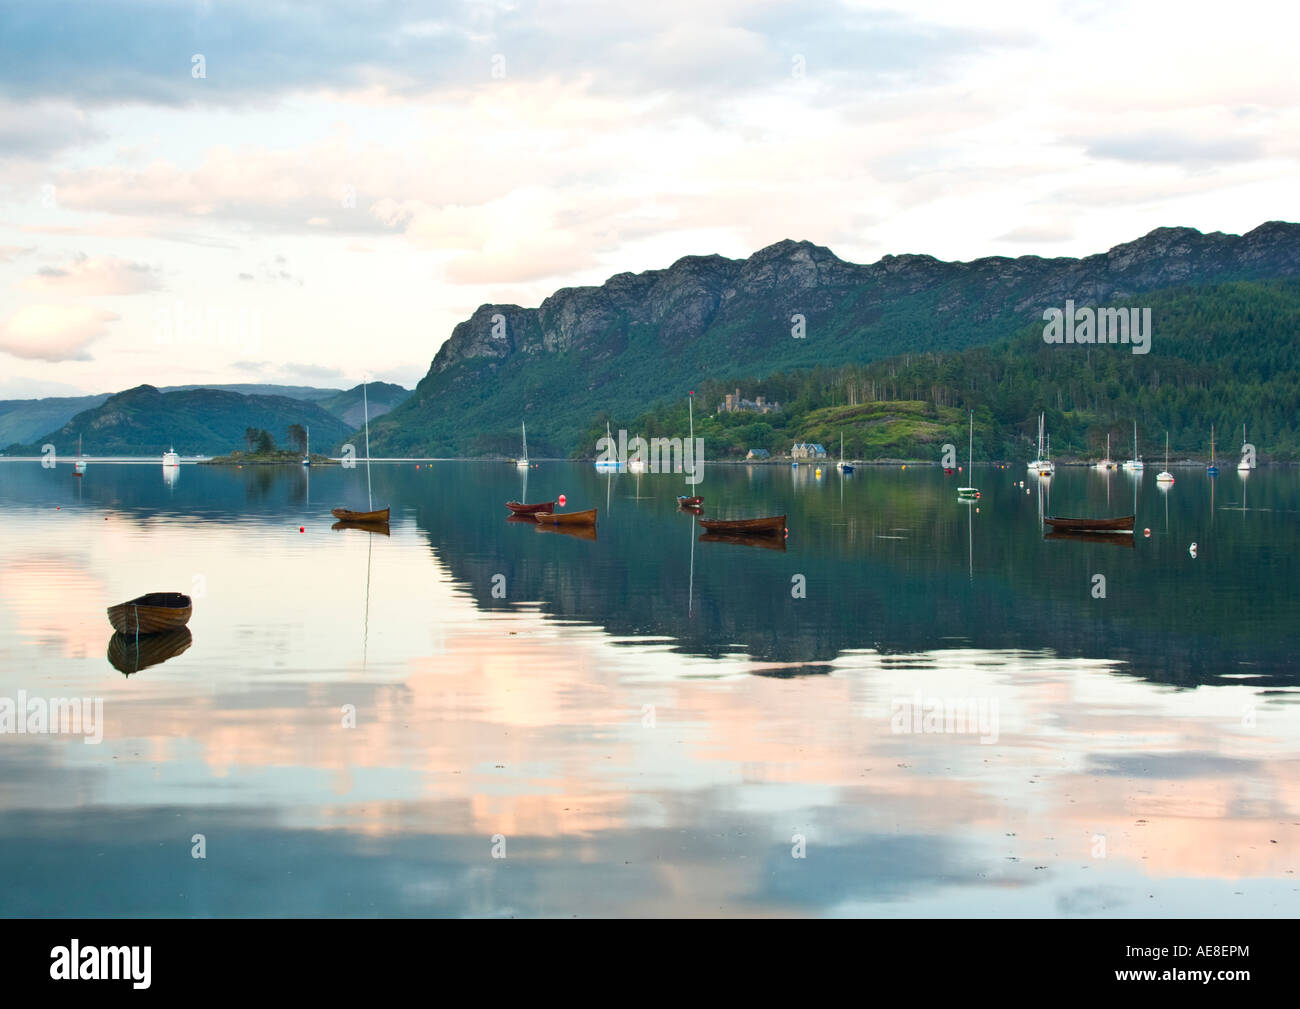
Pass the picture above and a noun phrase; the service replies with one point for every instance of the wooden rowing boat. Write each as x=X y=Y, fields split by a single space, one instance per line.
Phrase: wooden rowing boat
x=128 y=655
x=1120 y=539
x=689 y=502
x=152 y=613
x=746 y=540
x=1123 y=524
x=773 y=525
x=347 y=515
x=530 y=509
x=369 y=527
x=585 y=518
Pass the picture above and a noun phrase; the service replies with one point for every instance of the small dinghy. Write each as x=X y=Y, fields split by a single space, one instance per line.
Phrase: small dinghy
x=530 y=509
x=689 y=502
x=153 y=613
x=773 y=525
x=583 y=518
x=347 y=515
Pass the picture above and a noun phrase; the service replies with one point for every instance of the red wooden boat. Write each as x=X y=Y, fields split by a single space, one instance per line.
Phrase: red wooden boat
x=530 y=509
x=689 y=502
x=1123 y=524
x=773 y=525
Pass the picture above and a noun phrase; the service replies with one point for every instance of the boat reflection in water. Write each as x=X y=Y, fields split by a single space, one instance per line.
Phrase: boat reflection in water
x=368 y=527
x=764 y=540
x=129 y=653
x=581 y=532
x=1110 y=539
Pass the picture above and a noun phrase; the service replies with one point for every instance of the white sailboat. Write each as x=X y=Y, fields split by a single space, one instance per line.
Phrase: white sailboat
x=1134 y=465
x=1108 y=462
x=842 y=466
x=522 y=463
x=306 y=459
x=1164 y=476
x=969 y=493
x=637 y=464
x=1041 y=464
x=1247 y=461
x=609 y=465
x=79 y=466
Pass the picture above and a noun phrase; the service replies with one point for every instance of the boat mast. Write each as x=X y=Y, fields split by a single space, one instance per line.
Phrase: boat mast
x=365 y=412
x=690 y=412
x=970 y=457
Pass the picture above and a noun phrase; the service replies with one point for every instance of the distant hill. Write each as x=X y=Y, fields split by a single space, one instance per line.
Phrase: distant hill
x=309 y=392
x=23 y=421
x=147 y=421
x=347 y=405
x=642 y=339
x=1222 y=355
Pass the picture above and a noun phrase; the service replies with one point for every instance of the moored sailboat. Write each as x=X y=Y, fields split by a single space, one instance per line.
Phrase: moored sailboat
x=1042 y=465
x=373 y=515
x=1164 y=476
x=969 y=493
x=1134 y=465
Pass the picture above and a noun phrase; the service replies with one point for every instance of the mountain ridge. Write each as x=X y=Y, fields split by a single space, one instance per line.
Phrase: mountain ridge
x=639 y=338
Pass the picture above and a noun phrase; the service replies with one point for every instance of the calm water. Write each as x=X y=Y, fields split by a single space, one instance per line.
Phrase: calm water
x=650 y=724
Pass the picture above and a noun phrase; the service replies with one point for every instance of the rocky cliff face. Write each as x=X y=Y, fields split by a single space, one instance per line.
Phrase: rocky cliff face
x=639 y=337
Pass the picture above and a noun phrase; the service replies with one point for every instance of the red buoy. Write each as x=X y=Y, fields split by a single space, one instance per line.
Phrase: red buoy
x=561 y=500
x=302 y=529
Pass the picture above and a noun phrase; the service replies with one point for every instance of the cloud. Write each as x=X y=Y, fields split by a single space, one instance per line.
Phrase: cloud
x=87 y=276
x=8 y=253
x=1035 y=234
x=54 y=332
x=274 y=272
x=41 y=129
x=1173 y=148
x=140 y=51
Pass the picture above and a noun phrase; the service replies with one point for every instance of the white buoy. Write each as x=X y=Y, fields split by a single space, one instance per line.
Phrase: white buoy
x=1192 y=550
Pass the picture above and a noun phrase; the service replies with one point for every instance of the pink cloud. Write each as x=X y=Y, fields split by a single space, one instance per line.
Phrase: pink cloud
x=54 y=332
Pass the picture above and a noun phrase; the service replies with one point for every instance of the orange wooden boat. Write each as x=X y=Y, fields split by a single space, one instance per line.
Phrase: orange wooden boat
x=153 y=613
x=773 y=525
x=347 y=515
x=587 y=518
x=530 y=509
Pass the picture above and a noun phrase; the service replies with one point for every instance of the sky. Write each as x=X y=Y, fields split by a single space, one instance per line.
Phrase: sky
x=316 y=193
